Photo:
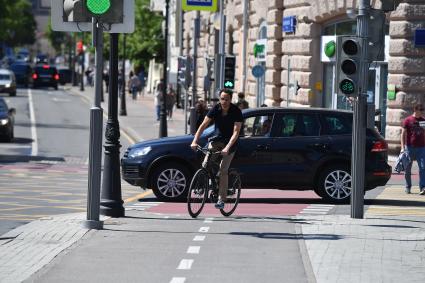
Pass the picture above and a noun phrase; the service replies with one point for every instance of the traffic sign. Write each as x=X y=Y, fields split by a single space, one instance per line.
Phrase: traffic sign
x=258 y=71
x=199 y=5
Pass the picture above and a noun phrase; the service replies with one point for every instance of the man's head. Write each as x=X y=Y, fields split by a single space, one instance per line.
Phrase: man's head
x=225 y=98
x=241 y=95
x=418 y=109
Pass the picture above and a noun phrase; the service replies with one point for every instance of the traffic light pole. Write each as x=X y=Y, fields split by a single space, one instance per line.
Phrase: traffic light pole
x=163 y=113
x=123 y=108
x=359 y=118
x=219 y=73
x=193 y=114
x=95 y=145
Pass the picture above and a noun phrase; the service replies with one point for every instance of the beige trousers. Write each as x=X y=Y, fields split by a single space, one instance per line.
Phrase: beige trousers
x=224 y=168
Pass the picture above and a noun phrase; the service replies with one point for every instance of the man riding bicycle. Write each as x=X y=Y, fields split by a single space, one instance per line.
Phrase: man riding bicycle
x=227 y=118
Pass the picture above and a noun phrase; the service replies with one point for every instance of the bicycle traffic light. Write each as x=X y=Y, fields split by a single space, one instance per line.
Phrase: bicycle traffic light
x=184 y=71
x=105 y=11
x=348 y=65
x=229 y=72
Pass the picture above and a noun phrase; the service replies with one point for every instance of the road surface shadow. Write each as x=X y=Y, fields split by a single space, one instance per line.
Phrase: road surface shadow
x=394 y=202
x=27 y=159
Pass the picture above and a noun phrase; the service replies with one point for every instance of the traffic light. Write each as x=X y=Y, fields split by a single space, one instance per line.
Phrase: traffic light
x=229 y=71
x=348 y=65
x=105 y=11
x=80 y=47
x=184 y=71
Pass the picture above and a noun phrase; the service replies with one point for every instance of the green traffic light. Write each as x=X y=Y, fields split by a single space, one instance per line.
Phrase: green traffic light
x=347 y=87
x=228 y=84
x=98 y=7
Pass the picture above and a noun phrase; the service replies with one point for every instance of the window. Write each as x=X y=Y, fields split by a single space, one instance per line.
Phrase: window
x=307 y=125
x=257 y=126
x=287 y=125
x=336 y=125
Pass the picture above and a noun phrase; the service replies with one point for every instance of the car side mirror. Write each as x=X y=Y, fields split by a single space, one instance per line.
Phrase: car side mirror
x=12 y=111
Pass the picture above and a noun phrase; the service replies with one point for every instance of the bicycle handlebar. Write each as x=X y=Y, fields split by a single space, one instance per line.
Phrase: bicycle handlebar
x=205 y=151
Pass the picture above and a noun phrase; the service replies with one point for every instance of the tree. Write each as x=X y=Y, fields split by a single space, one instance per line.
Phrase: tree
x=17 y=22
x=147 y=40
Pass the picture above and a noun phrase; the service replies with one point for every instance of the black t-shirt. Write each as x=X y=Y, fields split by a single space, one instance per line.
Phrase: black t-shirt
x=224 y=124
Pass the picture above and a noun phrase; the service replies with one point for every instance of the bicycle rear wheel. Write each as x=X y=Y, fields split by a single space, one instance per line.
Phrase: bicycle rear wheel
x=198 y=192
x=233 y=194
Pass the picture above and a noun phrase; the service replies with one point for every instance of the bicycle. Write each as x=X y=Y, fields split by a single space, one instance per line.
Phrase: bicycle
x=204 y=186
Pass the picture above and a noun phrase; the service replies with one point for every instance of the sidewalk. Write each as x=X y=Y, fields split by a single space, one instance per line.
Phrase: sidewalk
x=383 y=247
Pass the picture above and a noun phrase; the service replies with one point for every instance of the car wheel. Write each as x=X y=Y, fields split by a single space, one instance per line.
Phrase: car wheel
x=56 y=87
x=13 y=93
x=334 y=184
x=170 y=182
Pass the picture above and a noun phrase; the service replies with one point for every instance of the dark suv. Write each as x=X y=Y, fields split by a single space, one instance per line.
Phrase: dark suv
x=23 y=73
x=45 y=75
x=281 y=148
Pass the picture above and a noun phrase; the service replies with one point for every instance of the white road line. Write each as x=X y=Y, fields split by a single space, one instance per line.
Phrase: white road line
x=204 y=229
x=178 y=280
x=198 y=238
x=185 y=264
x=193 y=249
x=34 y=151
x=208 y=220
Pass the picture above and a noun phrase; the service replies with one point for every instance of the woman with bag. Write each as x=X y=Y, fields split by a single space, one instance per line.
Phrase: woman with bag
x=133 y=85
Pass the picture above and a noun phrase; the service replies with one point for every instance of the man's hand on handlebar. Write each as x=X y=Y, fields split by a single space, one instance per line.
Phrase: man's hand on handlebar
x=194 y=146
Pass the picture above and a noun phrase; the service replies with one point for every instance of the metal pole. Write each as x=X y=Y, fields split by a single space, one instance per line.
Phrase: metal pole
x=74 y=53
x=95 y=146
x=289 y=78
x=111 y=201
x=82 y=71
x=123 y=108
x=163 y=113
x=359 y=118
x=220 y=58
x=244 y=42
x=196 y=31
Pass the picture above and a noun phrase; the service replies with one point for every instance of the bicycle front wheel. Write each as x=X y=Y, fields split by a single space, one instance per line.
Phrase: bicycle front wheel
x=233 y=194
x=198 y=192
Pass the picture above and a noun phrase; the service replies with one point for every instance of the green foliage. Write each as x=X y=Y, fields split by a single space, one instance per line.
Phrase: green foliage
x=147 y=41
x=17 y=22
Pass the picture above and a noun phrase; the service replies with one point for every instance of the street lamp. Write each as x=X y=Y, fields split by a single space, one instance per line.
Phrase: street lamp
x=163 y=113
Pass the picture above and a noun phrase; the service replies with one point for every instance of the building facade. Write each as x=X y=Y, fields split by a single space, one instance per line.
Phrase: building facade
x=297 y=74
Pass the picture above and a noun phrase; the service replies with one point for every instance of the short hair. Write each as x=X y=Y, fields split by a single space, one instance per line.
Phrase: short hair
x=417 y=107
x=226 y=91
x=241 y=95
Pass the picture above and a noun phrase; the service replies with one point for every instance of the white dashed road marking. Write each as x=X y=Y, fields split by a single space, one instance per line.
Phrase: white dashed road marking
x=208 y=220
x=178 y=280
x=193 y=250
x=185 y=264
x=199 y=238
x=204 y=229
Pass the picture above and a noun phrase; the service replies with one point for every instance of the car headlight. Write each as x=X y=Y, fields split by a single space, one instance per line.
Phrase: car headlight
x=7 y=85
x=140 y=151
x=4 y=121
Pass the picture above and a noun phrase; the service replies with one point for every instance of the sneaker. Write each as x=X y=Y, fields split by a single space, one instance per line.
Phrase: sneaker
x=219 y=204
x=422 y=192
x=407 y=190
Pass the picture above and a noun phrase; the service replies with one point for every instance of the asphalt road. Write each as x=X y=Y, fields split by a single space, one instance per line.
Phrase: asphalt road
x=44 y=169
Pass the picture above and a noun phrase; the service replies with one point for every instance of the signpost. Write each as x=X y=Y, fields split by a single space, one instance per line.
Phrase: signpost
x=199 y=5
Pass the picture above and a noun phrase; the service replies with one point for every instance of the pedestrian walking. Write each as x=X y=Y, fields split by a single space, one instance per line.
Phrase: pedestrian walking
x=133 y=85
x=106 y=79
x=413 y=142
x=142 y=78
x=201 y=111
x=242 y=103
x=158 y=99
x=171 y=100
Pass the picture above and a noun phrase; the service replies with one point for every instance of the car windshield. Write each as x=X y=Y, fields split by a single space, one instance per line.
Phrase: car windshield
x=4 y=77
x=3 y=107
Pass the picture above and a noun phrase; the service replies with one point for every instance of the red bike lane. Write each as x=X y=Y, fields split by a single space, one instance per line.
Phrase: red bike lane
x=253 y=202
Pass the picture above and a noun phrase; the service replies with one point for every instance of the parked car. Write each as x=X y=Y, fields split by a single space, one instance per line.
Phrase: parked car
x=65 y=75
x=305 y=149
x=23 y=73
x=7 y=121
x=7 y=82
x=45 y=75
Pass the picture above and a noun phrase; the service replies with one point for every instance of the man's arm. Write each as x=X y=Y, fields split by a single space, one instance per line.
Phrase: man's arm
x=199 y=132
x=233 y=139
x=403 y=138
